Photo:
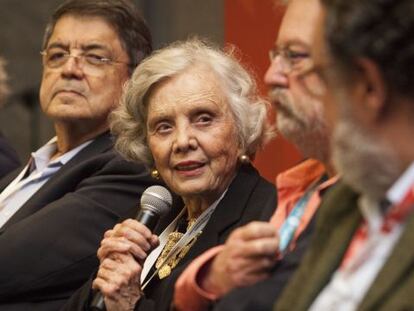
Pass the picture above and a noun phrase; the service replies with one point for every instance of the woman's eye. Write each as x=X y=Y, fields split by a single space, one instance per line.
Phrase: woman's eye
x=204 y=119
x=163 y=128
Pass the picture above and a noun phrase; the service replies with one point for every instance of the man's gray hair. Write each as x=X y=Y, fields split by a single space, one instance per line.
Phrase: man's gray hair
x=249 y=110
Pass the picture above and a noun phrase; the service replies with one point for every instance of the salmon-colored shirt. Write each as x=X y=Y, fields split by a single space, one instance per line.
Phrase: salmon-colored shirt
x=291 y=186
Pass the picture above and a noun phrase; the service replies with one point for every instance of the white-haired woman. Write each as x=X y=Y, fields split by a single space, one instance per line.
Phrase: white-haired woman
x=191 y=112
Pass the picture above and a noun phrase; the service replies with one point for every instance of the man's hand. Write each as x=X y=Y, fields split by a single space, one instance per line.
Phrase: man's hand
x=247 y=257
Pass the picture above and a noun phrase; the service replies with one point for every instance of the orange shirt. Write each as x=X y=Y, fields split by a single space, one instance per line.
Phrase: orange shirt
x=291 y=186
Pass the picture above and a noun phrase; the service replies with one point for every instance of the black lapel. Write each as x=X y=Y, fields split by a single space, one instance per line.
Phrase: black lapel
x=6 y=180
x=228 y=212
x=100 y=144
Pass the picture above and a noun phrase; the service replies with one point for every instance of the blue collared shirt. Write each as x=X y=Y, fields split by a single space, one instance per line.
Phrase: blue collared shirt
x=34 y=175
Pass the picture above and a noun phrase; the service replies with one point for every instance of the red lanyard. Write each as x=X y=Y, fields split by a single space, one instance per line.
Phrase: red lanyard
x=396 y=214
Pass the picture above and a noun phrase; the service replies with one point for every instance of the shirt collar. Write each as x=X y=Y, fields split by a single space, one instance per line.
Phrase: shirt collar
x=371 y=210
x=301 y=175
x=396 y=193
x=41 y=157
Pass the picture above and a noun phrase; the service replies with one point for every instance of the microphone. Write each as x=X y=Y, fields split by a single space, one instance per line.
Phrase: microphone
x=155 y=202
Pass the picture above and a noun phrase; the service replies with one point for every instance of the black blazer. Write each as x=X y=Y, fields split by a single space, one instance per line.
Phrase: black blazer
x=262 y=295
x=248 y=198
x=48 y=248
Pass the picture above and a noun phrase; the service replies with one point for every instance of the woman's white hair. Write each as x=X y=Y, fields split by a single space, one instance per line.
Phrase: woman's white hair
x=128 y=122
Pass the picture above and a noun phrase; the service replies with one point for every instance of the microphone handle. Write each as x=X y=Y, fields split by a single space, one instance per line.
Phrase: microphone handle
x=149 y=219
x=98 y=302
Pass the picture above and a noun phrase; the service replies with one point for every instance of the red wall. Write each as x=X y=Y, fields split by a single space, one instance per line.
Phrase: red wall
x=252 y=26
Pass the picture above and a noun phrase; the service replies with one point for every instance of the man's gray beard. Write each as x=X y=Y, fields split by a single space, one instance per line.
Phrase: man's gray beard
x=366 y=164
x=311 y=139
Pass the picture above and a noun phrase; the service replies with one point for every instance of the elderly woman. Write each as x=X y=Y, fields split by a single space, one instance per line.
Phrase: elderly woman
x=192 y=114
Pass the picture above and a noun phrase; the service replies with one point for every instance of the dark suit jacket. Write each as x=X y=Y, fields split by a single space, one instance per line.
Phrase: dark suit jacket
x=261 y=296
x=338 y=219
x=8 y=157
x=248 y=198
x=48 y=248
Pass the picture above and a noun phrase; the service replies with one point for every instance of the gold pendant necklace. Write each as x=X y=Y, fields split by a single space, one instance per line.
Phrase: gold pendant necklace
x=173 y=238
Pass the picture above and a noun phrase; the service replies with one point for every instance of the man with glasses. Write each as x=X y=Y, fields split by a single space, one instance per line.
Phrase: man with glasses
x=250 y=270
x=361 y=257
x=74 y=188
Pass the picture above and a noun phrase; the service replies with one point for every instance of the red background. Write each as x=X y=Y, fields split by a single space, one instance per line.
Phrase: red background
x=252 y=26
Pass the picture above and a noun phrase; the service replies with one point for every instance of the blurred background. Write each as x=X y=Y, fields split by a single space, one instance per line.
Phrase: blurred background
x=250 y=25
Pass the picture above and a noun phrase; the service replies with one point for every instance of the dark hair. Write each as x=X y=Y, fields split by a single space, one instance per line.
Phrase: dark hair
x=123 y=15
x=380 y=30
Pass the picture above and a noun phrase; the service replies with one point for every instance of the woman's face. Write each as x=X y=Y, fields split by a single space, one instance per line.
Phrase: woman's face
x=192 y=135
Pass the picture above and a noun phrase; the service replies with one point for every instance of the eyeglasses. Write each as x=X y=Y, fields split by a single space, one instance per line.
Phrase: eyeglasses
x=91 y=63
x=312 y=81
x=291 y=60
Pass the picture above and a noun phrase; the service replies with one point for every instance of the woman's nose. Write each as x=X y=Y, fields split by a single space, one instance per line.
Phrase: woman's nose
x=185 y=139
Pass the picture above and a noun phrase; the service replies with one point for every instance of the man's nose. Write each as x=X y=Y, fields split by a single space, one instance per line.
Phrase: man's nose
x=276 y=74
x=73 y=67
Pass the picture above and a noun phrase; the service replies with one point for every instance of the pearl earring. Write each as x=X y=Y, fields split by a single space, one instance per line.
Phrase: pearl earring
x=244 y=159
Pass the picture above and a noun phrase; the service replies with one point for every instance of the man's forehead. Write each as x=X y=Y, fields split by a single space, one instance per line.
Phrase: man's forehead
x=298 y=22
x=84 y=30
x=318 y=51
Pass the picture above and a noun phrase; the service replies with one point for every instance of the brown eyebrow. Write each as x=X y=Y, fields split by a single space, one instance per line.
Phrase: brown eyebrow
x=84 y=47
x=58 y=45
x=293 y=42
x=94 y=46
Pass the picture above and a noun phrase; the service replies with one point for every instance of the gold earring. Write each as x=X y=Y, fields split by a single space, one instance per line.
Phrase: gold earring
x=244 y=159
x=155 y=174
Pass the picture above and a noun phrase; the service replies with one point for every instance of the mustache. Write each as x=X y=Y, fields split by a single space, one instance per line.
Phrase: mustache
x=281 y=101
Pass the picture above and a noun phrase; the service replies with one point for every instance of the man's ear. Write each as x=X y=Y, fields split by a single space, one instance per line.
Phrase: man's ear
x=371 y=89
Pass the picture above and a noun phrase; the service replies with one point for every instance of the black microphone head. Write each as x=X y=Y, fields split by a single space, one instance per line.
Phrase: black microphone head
x=156 y=199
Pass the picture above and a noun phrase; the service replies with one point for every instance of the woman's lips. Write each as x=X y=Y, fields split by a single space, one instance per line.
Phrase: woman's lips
x=189 y=168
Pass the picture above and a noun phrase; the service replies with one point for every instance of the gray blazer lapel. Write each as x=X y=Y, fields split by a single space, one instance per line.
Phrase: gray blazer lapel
x=395 y=269
x=330 y=250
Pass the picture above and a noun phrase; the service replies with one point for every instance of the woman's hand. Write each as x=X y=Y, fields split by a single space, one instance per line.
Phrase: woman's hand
x=129 y=236
x=122 y=254
x=119 y=281
x=247 y=257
